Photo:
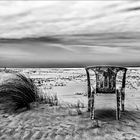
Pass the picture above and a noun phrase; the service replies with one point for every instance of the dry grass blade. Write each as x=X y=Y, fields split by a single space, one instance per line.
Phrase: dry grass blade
x=17 y=92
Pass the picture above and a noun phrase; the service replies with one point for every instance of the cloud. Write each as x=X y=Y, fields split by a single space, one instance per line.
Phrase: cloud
x=45 y=18
x=9 y=52
x=69 y=32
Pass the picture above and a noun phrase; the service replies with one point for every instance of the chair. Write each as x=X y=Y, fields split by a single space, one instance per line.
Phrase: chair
x=106 y=83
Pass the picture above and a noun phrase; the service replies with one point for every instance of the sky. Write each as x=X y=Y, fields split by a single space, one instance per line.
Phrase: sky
x=69 y=33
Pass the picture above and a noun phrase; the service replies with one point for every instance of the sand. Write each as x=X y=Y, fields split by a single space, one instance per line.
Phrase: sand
x=69 y=122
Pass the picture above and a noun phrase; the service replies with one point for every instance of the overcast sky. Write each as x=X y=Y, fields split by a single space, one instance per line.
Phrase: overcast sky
x=69 y=32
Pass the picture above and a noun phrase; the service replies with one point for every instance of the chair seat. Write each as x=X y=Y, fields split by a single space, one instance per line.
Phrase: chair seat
x=106 y=90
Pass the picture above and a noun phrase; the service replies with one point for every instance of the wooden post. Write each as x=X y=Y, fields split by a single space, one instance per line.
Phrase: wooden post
x=89 y=90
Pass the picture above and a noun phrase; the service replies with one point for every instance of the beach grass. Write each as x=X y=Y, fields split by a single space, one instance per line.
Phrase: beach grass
x=17 y=92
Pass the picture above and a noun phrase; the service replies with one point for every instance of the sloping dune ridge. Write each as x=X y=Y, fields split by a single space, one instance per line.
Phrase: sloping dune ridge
x=67 y=121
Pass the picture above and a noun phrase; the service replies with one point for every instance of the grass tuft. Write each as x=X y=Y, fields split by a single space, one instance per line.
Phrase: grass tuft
x=17 y=92
x=51 y=100
x=74 y=108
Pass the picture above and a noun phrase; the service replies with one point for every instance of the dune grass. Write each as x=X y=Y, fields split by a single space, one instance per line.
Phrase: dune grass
x=17 y=92
x=52 y=100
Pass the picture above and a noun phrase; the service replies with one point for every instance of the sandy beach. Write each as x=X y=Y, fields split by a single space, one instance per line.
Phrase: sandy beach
x=69 y=122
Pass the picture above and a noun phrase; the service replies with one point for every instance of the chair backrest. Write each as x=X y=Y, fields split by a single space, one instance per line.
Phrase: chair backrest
x=106 y=78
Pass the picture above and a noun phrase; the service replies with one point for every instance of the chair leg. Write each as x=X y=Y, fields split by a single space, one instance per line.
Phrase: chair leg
x=89 y=104
x=118 y=105
x=92 y=110
x=122 y=99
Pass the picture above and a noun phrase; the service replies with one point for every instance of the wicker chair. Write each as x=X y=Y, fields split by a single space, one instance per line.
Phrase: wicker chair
x=106 y=83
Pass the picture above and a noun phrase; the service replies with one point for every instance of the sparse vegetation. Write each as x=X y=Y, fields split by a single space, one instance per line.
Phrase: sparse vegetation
x=73 y=109
x=81 y=93
x=51 y=100
x=78 y=107
x=18 y=91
